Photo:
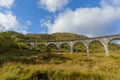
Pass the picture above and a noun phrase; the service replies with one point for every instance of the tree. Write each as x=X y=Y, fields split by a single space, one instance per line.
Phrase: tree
x=7 y=42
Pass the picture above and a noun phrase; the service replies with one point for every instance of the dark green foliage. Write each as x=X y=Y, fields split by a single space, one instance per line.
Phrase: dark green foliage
x=54 y=37
x=64 y=47
x=79 y=47
x=114 y=47
x=23 y=45
x=67 y=36
x=40 y=76
x=7 y=42
x=96 y=47
x=51 y=48
x=39 y=37
x=40 y=47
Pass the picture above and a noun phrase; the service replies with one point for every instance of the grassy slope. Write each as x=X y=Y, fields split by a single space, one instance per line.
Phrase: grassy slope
x=30 y=65
x=43 y=37
x=54 y=37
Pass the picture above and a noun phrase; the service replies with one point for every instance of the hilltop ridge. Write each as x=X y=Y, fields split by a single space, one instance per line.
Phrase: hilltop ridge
x=44 y=37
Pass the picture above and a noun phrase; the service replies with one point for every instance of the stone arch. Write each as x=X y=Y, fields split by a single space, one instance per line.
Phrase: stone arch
x=52 y=47
x=96 y=46
x=79 y=47
x=112 y=45
x=114 y=39
x=64 y=47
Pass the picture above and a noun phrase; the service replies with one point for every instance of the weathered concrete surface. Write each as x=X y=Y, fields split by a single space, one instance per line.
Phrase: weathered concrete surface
x=104 y=40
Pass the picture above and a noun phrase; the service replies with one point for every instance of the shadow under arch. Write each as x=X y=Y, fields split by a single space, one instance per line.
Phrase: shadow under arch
x=113 y=45
x=52 y=48
x=64 y=47
x=96 y=46
x=79 y=47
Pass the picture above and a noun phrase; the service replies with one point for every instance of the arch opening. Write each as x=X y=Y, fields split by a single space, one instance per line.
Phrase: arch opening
x=96 y=47
x=114 y=46
x=79 y=47
x=51 y=48
x=65 y=47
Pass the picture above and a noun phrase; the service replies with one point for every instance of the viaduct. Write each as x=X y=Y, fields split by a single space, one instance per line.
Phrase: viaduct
x=104 y=40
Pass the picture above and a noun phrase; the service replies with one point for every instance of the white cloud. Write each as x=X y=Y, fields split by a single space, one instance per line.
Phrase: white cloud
x=44 y=25
x=6 y=3
x=8 y=21
x=88 y=21
x=52 y=5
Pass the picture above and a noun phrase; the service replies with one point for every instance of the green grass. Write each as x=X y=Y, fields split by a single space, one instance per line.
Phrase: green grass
x=31 y=65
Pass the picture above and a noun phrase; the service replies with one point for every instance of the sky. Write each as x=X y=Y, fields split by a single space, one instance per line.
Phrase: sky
x=86 y=17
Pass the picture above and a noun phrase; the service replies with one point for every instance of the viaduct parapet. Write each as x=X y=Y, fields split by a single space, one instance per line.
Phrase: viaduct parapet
x=104 y=40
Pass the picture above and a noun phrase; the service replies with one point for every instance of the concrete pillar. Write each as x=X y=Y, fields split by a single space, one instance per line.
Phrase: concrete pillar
x=46 y=44
x=88 y=52
x=86 y=43
x=105 y=43
x=58 y=48
x=106 y=50
x=71 y=47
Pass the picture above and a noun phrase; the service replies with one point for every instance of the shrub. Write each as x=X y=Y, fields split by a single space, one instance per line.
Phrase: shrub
x=7 y=42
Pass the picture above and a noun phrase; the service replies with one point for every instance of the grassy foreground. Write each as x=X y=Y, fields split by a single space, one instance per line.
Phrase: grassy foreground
x=31 y=65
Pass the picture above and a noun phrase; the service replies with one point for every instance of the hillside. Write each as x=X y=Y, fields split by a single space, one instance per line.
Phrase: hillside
x=43 y=37
x=21 y=61
x=54 y=37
